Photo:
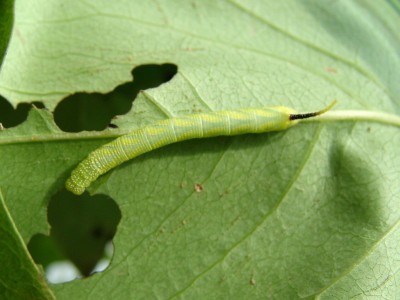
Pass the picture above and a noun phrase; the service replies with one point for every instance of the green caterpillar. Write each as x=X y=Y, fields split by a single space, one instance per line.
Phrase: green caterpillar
x=202 y=125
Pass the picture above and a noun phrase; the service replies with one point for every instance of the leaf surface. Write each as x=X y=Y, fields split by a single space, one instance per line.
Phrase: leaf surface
x=20 y=277
x=309 y=212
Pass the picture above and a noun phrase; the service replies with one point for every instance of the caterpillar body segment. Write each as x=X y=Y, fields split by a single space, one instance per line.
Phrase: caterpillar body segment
x=159 y=134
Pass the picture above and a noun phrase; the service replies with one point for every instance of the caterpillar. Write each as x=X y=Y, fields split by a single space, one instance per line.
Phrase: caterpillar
x=168 y=131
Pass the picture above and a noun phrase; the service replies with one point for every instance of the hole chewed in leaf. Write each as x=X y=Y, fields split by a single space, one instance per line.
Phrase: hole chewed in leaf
x=10 y=117
x=94 y=111
x=81 y=232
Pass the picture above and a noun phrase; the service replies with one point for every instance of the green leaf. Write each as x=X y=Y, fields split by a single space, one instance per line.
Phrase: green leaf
x=20 y=277
x=6 y=22
x=311 y=212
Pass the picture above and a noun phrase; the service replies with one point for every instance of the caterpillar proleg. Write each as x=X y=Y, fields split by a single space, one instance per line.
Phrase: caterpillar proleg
x=168 y=131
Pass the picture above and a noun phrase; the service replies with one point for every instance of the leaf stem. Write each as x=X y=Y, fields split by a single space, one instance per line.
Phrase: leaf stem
x=357 y=115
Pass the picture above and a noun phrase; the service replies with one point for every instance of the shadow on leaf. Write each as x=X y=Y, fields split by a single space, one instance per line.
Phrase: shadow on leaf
x=356 y=189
